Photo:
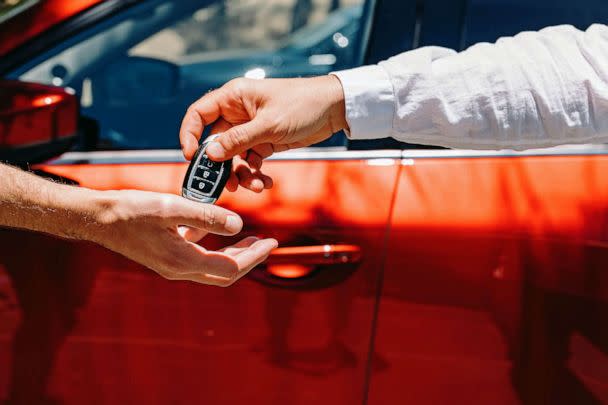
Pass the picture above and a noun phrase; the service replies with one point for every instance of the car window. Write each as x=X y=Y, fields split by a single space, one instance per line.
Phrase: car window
x=137 y=73
x=488 y=20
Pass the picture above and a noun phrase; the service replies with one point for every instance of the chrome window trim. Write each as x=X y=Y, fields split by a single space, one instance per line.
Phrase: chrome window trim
x=562 y=150
x=337 y=153
x=175 y=156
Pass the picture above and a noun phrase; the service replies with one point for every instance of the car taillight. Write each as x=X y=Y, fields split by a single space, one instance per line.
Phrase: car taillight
x=32 y=114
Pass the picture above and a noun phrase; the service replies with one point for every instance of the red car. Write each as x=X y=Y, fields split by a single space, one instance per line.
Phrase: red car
x=407 y=275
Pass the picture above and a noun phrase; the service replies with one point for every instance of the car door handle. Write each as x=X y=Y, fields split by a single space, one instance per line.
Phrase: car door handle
x=316 y=255
x=311 y=267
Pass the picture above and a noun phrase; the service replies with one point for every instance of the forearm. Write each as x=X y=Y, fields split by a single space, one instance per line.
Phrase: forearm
x=533 y=90
x=30 y=202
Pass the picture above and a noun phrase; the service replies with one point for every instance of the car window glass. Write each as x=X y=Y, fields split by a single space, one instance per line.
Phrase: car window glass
x=137 y=74
x=245 y=26
x=488 y=20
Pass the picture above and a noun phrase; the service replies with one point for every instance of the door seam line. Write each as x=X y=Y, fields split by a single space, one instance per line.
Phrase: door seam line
x=379 y=288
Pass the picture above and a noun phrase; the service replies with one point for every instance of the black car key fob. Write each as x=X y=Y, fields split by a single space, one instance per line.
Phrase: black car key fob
x=205 y=178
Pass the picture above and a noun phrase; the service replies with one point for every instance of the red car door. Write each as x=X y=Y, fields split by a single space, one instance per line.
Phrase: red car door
x=495 y=289
x=296 y=330
x=80 y=324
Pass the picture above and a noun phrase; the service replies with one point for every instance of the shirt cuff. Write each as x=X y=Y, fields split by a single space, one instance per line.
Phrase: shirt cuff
x=369 y=100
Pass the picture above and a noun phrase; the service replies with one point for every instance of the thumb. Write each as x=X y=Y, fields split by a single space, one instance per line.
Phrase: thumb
x=238 y=139
x=211 y=218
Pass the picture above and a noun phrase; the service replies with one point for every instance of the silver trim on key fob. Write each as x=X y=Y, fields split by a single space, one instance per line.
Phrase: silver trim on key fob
x=189 y=191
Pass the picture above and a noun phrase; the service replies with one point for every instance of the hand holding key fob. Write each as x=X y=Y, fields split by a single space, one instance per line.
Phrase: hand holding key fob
x=205 y=178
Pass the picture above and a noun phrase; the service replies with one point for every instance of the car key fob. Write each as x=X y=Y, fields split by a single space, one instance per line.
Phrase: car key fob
x=205 y=178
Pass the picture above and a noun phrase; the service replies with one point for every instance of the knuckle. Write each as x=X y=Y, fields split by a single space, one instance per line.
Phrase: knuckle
x=238 y=85
x=209 y=217
x=166 y=206
x=193 y=114
x=233 y=137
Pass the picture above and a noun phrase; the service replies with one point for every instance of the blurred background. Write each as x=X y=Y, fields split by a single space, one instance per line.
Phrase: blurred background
x=138 y=72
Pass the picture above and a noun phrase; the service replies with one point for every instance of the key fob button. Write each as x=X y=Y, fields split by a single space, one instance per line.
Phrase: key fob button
x=210 y=164
x=206 y=174
x=202 y=186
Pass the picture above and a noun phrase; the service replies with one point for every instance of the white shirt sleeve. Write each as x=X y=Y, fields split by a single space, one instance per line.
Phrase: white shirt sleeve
x=535 y=89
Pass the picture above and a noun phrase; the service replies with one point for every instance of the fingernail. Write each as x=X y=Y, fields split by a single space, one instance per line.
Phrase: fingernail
x=216 y=151
x=257 y=184
x=233 y=224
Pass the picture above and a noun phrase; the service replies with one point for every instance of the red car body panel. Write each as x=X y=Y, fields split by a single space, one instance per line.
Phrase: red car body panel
x=112 y=332
x=495 y=289
x=38 y=19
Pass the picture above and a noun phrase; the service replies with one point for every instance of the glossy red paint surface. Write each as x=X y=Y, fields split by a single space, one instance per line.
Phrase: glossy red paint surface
x=83 y=325
x=31 y=113
x=38 y=19
x=494 y=292
x=495 y=287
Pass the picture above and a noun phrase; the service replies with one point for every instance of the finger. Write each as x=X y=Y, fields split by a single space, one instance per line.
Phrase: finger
x=232 y=184
x=280 y=148
x=206 y=216
x=203 y=266
x=249 y=258
x=202 y=112
x=240 y=246
x=255 y=254
x=247 y=177
x=219 y=126
x=254 y=160
x=248 y=180
x=267 y=180
x=242 y=273
x=219 y=268
x=264 y=150
x=238 y=139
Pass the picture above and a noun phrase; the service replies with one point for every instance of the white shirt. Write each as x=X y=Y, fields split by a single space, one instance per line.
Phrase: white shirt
x=536 y=89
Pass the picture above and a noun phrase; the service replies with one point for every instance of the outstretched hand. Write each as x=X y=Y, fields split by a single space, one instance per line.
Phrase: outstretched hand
x=160 y=231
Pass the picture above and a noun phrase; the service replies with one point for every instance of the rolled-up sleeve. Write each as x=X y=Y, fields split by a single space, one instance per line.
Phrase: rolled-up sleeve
x=535 y=89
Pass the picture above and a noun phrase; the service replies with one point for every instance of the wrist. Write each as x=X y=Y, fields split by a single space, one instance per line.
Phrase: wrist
x=89 y=213
x=337 y=108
